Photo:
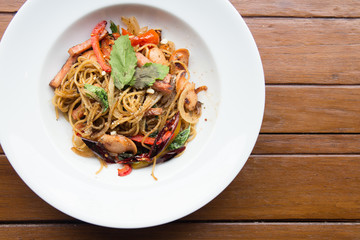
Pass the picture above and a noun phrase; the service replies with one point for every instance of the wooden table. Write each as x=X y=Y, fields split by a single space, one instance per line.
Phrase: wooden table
x=303 y=177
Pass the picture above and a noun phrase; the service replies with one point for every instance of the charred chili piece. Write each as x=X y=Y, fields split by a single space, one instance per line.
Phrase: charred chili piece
x=99 y=150
x=169 y=155
x=161 y=143
x=137 y=158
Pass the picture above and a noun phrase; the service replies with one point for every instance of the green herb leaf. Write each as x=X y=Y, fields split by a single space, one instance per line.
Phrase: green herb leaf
x=123 y=62
x=180 y=139
x=148 y=74
x=113 y=27
x=161 y=69
x=97 y=93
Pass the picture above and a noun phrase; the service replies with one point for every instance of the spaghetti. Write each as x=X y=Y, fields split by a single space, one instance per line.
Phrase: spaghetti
x=130 y=123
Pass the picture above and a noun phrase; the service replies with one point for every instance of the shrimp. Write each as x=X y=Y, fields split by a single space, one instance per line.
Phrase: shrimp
x=118 y=143
x=157 y=56
x=181 y=81
x=78 y=112
x=141 y=59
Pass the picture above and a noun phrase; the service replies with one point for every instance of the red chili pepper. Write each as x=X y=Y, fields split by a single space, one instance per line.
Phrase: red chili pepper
x=144 y=157
x=169 y=155
x=150 y=36
x=99 y=150
x=150 y=140
x=161 y=143
x=95 y=37
x=126 y=170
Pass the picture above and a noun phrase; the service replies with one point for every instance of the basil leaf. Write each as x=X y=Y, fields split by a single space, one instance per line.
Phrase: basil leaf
x=180 y=139
x=148 y=74
x=123 y=62
x=97 y=93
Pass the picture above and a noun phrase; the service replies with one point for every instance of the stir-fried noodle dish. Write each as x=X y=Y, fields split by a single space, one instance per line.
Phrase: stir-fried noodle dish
x=128 y=96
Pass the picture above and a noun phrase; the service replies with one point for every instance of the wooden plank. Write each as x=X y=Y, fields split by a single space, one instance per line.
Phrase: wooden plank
x=312 y=109
x=268 y=187
x=294 y=8
x=1 y=150
x=268 y=231
x=298 y=8
x=308 y=51
x=15 y=195
x=307 y=144
x=290 y=187
x=11 y=6
x=4 y=22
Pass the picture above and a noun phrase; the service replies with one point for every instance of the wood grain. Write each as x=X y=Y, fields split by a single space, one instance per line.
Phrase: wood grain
x=4 y=22
x=11 y=6
x=307 y=144
x=268 y=187
x=209 y=231
x=308 y=51
x=312 y=109
x=290 y=187
x=298 y=8
x=290 y=8
x=15 y=195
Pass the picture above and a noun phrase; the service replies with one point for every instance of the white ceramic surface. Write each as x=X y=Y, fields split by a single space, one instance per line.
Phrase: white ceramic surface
x=224 y=57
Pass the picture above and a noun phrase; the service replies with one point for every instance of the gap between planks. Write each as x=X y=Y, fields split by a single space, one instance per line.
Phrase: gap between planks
x=224 y=222
x=186 y=231
x=254 y=16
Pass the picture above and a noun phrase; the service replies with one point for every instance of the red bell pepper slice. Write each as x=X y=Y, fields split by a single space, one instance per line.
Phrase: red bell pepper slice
x=126 y=170
x=95 y=37
x=125 y=32
x=148 y=37
x=139 y=138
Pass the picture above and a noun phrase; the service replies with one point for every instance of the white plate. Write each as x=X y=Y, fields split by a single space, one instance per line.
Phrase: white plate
x=224 y=57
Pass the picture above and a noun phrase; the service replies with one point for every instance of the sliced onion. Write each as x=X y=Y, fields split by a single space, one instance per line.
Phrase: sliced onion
x=132 y=25
x=190 y=117
x=111 y=89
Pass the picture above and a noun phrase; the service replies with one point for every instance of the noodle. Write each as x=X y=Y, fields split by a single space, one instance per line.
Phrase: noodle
x=128 y=108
